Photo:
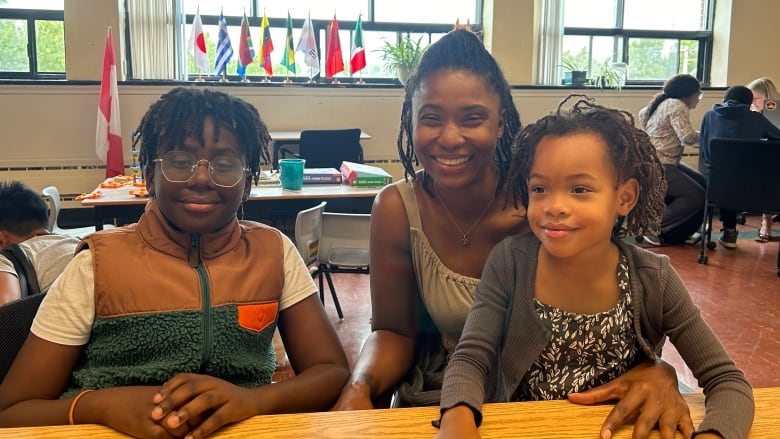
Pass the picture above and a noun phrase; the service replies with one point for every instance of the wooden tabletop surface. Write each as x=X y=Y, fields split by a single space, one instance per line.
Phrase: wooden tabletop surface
x=537 y=420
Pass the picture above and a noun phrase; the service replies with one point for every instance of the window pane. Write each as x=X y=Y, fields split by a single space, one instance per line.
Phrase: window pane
x=591 y=13
x=652 y=59
x=430 y=11
x=299 y=9
x=665 y=14
x=55 y=5
x=50 y=46
x=229 y=7
x=689 y=57
x=13 y=46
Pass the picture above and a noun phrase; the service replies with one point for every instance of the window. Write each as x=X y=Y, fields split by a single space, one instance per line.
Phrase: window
x=32 y=39
x=382 y=20
x=654 y=39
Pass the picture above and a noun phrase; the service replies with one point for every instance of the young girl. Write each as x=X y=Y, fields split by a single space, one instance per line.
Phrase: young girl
x=163 y=328
x=571 y=307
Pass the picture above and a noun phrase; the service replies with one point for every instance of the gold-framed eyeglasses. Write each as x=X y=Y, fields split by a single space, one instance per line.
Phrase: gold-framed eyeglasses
x=181 y=166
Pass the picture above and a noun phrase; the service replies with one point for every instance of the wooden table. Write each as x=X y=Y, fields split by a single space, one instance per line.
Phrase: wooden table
x=537 y=420
x=263 y=200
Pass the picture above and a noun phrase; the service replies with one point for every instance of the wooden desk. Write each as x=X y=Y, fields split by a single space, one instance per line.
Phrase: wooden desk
x=537 y=420
x=118 y=203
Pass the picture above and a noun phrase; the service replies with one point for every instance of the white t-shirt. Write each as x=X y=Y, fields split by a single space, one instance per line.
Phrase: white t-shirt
x=67 y=312
x=48 y=254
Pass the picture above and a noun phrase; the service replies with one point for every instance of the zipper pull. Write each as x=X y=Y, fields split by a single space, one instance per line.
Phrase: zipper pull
x=194 y=250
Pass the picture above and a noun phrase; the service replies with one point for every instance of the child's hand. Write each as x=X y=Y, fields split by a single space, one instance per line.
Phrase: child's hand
x=458 y=422
x=201 y=402
x=646 y=395
x=126 y=409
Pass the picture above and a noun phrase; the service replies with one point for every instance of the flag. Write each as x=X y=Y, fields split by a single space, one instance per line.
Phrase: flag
x=246 y=53
x=334 y=62
x=288 y=60
x=358 y=60
x=224 y=48
x=198 y=44
x=308 y=46
x=266 y=46
x=108 y=137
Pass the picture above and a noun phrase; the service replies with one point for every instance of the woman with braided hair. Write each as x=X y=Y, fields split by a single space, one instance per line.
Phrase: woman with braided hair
x=432 y=233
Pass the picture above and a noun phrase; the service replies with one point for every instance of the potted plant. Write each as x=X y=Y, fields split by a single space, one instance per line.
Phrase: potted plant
x=606 y=75
x=401 y=58
x=574 y=72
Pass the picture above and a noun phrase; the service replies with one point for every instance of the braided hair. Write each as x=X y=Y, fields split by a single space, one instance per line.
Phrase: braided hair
x=461 y=49
x=628 y=147
x=678 y=87
x=180 y=114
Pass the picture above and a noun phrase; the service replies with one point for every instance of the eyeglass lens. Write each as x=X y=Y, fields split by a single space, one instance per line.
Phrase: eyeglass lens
x=181 y=166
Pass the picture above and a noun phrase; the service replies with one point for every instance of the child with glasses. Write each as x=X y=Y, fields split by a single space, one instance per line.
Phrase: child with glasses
x=572 y=306
x=164 y=328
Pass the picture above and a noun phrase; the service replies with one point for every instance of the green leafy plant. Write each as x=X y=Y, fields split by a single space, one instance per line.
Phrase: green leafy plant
x=400 y=58
x=606 y=76
x=571 y=64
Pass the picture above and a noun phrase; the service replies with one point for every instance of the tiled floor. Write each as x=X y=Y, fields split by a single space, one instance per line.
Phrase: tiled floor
x=738 y=292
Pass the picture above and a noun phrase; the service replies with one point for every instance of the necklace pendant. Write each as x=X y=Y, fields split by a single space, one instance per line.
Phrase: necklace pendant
x=465 y=240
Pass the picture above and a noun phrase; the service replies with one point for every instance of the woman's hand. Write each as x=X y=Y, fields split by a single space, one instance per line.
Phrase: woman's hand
x=646 y=395
x=201 y=404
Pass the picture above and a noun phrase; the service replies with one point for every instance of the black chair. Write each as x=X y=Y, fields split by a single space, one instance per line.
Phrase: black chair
x=744 y=176
x=327 y=148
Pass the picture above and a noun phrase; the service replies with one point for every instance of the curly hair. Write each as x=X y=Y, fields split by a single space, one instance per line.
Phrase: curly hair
x=461 y=49
x=629 y=149
x=180 y=114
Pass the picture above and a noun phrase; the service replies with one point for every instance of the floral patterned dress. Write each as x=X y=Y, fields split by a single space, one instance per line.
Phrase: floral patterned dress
x=585 y=351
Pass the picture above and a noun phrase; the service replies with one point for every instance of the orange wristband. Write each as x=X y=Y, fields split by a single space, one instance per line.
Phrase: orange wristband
x=73 y=405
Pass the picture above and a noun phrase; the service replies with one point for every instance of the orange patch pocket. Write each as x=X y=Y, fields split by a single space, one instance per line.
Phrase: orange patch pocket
x=256 y=317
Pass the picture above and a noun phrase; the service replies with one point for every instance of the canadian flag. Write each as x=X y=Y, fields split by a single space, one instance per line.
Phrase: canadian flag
x=108 y=140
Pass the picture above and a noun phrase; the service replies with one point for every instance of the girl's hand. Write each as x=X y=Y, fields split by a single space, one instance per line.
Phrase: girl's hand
x=201 y=404
x=458 y=422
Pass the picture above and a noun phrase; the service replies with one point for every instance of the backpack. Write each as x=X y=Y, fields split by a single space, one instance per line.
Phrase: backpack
x=28 y=279
x=16 y=317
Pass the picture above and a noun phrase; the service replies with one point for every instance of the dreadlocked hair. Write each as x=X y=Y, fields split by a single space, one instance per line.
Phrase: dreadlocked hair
x=629 y=148
x=461 y=49
x=180 y=114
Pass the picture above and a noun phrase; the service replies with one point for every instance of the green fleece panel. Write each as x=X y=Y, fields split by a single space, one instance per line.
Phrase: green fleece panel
x=149 y=349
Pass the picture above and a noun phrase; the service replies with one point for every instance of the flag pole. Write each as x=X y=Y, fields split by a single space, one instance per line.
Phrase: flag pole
x=311 y=76
x=223 y=78
x=200 y=76
x=360 y=77
x=287 y=79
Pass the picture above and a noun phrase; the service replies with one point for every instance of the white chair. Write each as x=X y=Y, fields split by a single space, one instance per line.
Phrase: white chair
x=51 y=196
x=343 y=248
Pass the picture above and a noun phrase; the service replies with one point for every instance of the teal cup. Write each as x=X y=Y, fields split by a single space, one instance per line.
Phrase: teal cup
x=291 y=173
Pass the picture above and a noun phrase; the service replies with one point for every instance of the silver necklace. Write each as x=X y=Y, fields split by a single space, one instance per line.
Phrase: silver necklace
x=464 y=240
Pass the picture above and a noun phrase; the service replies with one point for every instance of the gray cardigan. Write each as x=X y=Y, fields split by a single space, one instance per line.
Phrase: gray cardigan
x=503 y=335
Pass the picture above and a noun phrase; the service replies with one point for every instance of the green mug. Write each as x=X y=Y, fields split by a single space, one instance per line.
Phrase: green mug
x=291 y=173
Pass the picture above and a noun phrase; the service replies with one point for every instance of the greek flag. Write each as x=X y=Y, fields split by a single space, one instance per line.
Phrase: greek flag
x=224 y=48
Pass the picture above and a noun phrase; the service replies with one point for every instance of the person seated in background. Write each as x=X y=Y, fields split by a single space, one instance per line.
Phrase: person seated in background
x=163 y=328
x=732 y=119
x=763 y=89
x=572 y=306
x=432 y=232
x=23 y=221
x=667 y=120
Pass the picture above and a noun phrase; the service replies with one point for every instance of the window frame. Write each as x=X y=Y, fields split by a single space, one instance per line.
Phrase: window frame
x=703 y=37
x=31 y=16
x=320 y=27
